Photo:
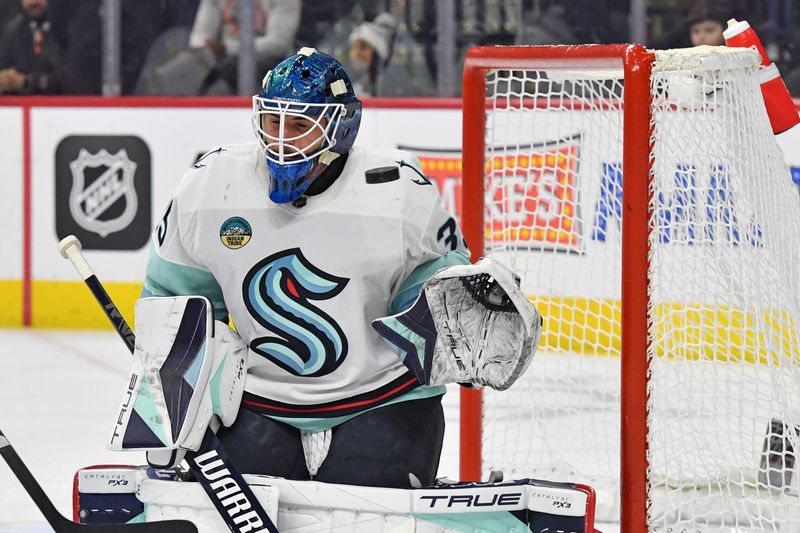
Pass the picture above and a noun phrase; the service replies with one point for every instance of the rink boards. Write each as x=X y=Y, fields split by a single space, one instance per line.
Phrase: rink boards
x=78 y=165
x=75 y=166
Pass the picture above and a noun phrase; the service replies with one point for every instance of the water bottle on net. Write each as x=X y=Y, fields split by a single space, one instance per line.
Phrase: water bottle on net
x=780 y=107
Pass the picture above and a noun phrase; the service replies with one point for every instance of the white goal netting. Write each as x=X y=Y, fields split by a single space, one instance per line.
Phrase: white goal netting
x=724 y=300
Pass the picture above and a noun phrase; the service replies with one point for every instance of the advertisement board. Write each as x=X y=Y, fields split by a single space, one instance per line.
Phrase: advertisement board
x=105 y=170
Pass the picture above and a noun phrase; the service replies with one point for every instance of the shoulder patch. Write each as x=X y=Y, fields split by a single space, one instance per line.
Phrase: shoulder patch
x=382 y=175
x=235 y=232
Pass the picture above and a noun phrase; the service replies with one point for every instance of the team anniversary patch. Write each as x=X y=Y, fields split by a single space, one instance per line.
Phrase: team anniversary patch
x=235 y=232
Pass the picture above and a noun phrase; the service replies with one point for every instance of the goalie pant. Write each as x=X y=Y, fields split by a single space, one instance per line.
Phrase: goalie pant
x=378 y=448
x=520 y=505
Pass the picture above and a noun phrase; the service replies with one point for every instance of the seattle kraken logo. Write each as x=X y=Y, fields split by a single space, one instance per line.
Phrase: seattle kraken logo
x=277 y=292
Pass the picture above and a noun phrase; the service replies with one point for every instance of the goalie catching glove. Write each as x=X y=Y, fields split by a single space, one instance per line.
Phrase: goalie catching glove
x=187 y=369
x=469 y=324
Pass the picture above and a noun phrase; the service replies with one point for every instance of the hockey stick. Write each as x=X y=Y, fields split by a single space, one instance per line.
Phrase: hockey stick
x=211 y=451
x=70 y=247
x=63 y=525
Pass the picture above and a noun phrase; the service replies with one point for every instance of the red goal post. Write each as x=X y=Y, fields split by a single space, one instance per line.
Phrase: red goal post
x=636 y=62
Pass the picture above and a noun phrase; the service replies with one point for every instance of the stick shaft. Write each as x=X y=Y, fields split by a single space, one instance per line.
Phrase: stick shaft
x=111 y=311
x=32 y=486
x=70 y=247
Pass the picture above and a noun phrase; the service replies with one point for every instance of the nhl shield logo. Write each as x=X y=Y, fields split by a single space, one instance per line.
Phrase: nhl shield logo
x=103 y=191
x=88 y=202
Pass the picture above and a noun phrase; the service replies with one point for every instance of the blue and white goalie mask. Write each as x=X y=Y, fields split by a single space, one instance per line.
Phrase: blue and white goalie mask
x=305 y=116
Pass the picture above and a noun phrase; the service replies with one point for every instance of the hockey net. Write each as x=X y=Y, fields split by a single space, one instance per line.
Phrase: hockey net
x=702 y=325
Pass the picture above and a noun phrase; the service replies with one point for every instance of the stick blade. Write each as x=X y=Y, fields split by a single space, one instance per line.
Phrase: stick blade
x=60 y=523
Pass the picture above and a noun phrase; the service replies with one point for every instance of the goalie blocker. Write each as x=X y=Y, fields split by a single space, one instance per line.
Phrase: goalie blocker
x=520 y=505
x=470 y=324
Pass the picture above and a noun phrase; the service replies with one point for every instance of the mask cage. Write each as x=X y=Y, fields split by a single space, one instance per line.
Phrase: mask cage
x=279 y=149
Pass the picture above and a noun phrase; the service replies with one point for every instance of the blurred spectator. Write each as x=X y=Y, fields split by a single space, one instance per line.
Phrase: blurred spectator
x=318 y=19
x=80 y=32
x=8 y=10
x=169 y=68
x=29 y=55
x=706 y=24
x=550 y=25
x=80 y=35
x=407 y=73
x=181 y=12
x=205 y=61
x=708 y=19
x=216 y=30
x=371 y=46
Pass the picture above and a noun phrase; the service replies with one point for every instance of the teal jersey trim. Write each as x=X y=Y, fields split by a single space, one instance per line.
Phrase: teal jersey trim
x=497 y=522
x=165 y=278
x=413 y=337
x=409 y=290
x=321 y=424
x=139 y=518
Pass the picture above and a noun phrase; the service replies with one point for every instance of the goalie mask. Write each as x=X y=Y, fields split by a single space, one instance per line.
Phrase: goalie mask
x=305 y=116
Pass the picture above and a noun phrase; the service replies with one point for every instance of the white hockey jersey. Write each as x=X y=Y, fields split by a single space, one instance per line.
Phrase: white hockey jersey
x=302 y=284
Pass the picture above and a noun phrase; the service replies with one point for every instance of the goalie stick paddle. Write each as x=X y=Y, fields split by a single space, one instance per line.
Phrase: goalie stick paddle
x=240 y=515
x=63 y=525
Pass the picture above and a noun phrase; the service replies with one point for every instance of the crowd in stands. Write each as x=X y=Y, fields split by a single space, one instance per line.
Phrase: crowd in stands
x=191 y=47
